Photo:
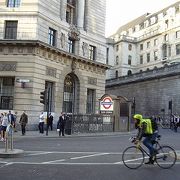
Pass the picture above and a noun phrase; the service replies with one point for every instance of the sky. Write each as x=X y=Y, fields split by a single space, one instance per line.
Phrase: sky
x=120 y=12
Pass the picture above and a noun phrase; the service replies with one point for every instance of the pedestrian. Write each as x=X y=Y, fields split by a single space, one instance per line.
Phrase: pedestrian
x=11 y=118
x=23 y=121
x=61 y=123
x=15 y=118
x=5 y=123
x=1 y=118
x=41 y=123
x=50 y=121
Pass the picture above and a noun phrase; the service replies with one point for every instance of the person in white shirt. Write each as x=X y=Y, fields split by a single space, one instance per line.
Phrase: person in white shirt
x=41 y=123
x=4 y=125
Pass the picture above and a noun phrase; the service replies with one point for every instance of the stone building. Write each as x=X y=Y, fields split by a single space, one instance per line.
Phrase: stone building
x=146 y=62
x=147 y=42
x=57 y=46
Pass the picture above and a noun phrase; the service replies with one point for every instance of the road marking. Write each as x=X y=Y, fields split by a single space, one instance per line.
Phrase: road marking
x=81 y=157
x=66 y=163
x=40 y=153
x=50 y=162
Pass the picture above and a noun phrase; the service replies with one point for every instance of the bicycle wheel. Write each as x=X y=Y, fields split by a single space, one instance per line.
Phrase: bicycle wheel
x=166 y=157
x=133 y=157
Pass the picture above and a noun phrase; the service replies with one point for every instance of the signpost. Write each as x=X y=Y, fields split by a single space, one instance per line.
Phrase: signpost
x=106 y=105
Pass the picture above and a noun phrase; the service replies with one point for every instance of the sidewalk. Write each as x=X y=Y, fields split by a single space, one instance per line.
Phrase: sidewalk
x=55 y=134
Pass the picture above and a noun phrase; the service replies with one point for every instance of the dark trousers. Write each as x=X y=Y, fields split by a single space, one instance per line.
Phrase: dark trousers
x=41 y=127
x=51 y=126
x=148 y=143
x=61 y=130
x=23 y=129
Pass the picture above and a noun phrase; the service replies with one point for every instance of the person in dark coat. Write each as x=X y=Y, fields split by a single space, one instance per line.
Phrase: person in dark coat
x=50 y=121
x=23 y=121
x=61 y=124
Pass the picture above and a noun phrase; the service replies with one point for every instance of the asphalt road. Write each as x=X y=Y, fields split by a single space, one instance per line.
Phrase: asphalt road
x=81 y=158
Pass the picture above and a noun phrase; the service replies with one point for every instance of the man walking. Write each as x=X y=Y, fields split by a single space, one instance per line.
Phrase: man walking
x=61 y=123
x=23 y=121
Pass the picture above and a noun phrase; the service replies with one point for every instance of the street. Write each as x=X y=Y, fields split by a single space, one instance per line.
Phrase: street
x=81 y=158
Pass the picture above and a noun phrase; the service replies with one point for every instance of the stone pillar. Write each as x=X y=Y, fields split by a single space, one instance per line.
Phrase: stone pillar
x=80 y=15
x=63 y=10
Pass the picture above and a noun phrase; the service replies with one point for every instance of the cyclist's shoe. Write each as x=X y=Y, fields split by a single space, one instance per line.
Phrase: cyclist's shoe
x=151 y=161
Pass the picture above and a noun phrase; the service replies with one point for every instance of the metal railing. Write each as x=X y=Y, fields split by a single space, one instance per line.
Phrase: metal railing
x=89 y=123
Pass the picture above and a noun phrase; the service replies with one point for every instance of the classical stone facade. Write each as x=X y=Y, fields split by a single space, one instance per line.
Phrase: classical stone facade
x=149 y=41
x=58 y=46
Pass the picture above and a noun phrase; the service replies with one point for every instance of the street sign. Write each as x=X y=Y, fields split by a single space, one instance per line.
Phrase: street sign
x=106 y=104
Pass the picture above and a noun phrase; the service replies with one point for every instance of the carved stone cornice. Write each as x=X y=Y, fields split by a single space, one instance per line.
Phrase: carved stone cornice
x=23 y=47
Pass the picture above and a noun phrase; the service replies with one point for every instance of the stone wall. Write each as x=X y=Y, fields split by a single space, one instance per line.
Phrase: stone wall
x=152 y=90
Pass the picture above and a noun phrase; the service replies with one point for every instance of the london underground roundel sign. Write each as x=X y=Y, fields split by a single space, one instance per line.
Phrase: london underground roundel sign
x=106 y=104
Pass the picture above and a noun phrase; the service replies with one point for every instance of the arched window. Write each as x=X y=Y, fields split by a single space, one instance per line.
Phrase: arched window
x=69 y=86
x=129 y=47
x=116 y=74
x=129 y=72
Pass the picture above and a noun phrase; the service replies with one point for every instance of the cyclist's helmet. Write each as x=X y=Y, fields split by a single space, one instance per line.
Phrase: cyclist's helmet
x=137 y=116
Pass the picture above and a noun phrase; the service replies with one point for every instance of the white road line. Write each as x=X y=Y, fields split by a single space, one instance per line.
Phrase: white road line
x=40 y=153
x=50 y=162
x=81 y=157
x=66 y=163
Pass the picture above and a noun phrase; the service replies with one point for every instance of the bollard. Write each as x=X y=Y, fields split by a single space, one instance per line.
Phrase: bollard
x=9 y=131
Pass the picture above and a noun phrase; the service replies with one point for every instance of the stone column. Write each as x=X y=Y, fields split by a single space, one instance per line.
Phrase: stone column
x=63 y=10
x=80 y=15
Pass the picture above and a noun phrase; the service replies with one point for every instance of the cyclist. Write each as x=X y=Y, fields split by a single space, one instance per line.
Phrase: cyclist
x=145 y=129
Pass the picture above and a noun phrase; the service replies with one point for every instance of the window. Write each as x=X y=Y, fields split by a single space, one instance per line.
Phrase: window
x=167 y=23
x=49 y=86
x=141 y=26
x=71 y=46
x=141 y=47
x=148 y=57
x=13 y=3
x=52 y=37
x=164 y=51
x=129 y=72
x=69 y=86
x=130 y=47
x=90 y=101
x=129 y=60
x=155 y=55
x=177 y=49
x=107 y=56
x=70 y=11
x=116 y=74
x=148 y=44
x=117 y=47
x=165 y=37
x=117 y=60
x=141 y=59
x=92 y=52
x=177 y=34
x=11 y=30
x=155 y=42
x=7 y=92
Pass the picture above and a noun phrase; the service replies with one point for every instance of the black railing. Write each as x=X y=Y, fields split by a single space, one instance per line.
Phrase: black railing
x=89 y=123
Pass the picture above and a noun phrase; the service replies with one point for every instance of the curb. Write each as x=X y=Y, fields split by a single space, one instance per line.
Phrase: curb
x=11 y=153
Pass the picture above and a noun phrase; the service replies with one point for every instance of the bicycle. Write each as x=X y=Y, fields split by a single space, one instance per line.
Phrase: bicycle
x=133 y=156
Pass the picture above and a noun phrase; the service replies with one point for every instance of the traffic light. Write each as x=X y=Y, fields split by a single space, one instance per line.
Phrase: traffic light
x=43 y=97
